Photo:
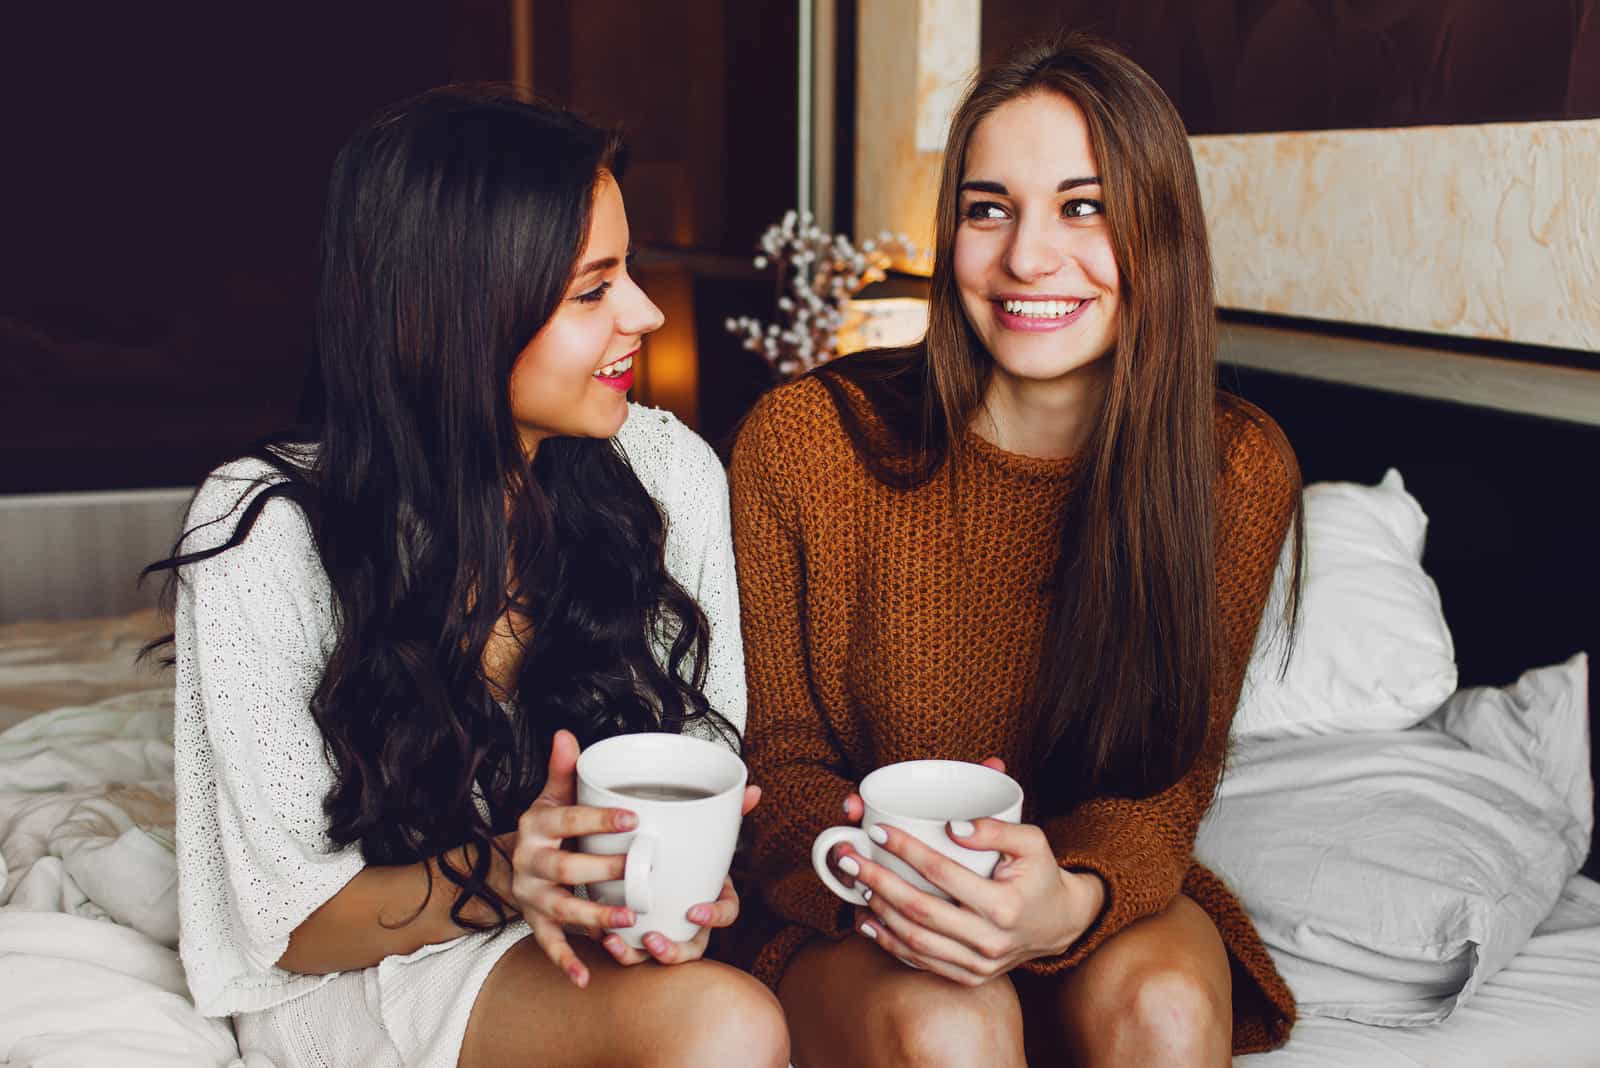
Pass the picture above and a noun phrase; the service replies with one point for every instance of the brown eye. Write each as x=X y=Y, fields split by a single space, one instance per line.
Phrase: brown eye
x=1082 y=208
x=984 y=209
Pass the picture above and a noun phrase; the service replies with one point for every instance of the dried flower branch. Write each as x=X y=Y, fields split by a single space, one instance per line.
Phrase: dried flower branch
x=817 y=273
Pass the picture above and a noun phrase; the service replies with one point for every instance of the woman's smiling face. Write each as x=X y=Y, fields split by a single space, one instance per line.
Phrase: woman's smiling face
x=572 y=379
x=1033 y=258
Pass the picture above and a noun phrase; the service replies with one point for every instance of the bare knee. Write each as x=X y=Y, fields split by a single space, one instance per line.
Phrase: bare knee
x=720 y=1016
x=1175 y=1009
x=933 y=1026
x=1157 y=1012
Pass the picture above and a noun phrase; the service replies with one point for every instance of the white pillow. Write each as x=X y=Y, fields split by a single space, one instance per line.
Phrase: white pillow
x=1391 y=873
x=1373 y=652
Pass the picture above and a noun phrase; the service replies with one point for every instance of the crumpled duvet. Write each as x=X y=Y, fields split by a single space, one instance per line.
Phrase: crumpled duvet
x=89 y=973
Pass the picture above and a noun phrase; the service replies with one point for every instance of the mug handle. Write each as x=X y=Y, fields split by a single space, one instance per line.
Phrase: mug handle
x=636 y=873
x=819 y=859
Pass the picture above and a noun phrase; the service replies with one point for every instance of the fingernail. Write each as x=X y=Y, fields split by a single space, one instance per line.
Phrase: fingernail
x=868 y=930
x=627 y=821
x=866 y=895
x=962 y=828
x=621 y=918
x=576 y=974
x=878 y=834
x=846 y=806
x=656 y=943
x=849 y=866
x=700 y=914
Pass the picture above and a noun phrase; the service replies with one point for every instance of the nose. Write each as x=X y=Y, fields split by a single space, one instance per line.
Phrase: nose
x=639 y=314
x=1037 y=250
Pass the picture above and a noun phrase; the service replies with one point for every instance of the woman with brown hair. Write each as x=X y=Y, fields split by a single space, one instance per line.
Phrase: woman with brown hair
x=1042 y=536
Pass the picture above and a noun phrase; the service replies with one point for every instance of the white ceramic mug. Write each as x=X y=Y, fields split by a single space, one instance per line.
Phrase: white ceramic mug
x=921 y=797
x=679 y=854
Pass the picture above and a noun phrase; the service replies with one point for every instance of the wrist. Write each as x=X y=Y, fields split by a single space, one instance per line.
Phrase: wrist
x=1086 y=900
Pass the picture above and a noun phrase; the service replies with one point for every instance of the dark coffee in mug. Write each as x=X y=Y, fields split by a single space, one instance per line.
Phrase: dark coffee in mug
x=663 y=791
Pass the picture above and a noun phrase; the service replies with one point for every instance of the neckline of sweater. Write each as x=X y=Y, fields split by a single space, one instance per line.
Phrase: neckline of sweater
x=1018 y=465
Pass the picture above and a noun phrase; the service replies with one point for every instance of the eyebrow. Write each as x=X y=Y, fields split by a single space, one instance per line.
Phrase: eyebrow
x=597 y=265
x=1000 y=189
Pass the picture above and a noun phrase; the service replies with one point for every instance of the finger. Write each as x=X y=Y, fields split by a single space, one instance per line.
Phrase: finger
x=554 y=942
x=572 y=869
x=953 y=877
x=561 y=784
x=561 y=907
x=622 y=953
x=752 y=797
x=665 y=951
x=719 y=913
x=928 y=946
x=872 y=927
x=994 y=763
x=854 y=807
x=1012 y=839
x=553 y=821
x=836 y=858
x=964 y=925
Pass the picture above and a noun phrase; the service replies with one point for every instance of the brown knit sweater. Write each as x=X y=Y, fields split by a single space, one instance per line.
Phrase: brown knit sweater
x=884 y=625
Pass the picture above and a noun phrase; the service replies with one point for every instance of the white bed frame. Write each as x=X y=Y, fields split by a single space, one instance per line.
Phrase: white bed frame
x=78 y=555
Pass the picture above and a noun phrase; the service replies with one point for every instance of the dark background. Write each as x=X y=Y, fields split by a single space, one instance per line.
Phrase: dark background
x=163 y=180
x=164 y=168
x=1253 y=66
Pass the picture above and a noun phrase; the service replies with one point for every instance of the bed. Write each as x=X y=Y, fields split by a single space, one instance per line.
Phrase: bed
x=1512 y=514
x=88 y=970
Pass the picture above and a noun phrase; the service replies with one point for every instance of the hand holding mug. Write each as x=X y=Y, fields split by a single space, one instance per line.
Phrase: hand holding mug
x=719 y=913
x=919 y=796
x=1028 y=908
x=951 y=882
x=541 y=871
x=854 y=808
x=689 y=796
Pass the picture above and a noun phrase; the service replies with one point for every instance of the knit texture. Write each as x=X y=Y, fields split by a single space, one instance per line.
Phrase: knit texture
x=884 y=625
x=254 y=628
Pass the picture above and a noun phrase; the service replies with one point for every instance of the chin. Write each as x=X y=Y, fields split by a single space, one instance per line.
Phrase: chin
x=1041 y=367
x=608 y=426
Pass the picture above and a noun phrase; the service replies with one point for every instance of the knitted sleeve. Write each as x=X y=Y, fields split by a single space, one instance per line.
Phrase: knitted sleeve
x=685 y=478
x=1143 y=848
x=253 y=629
x=710 y=580
x=789 y=749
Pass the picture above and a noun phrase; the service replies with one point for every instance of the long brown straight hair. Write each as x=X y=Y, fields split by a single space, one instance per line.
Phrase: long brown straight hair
x=1121 y=698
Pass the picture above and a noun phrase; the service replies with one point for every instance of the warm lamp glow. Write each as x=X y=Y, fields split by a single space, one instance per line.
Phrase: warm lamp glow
x=670 y=368
x=888 y=322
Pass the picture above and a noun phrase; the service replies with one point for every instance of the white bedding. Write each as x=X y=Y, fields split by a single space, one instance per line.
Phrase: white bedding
x=1541 y=1011
x=88 y=977
x=88 y=905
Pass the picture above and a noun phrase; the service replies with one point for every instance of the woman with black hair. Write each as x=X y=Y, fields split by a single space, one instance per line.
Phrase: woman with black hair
x=394 y=632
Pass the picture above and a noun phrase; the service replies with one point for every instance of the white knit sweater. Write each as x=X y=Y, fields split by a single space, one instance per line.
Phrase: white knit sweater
x=254 y=629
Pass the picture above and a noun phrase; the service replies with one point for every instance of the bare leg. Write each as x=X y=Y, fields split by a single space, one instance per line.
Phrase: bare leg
x=850 y=1003
x=700 y=1013
x=1158 y=992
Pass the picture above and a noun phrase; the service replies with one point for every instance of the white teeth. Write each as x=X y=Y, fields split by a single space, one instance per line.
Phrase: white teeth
x=1041 y=309
x=612 y=370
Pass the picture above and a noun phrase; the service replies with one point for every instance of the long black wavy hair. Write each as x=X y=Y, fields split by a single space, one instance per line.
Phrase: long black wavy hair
x=453 y=225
